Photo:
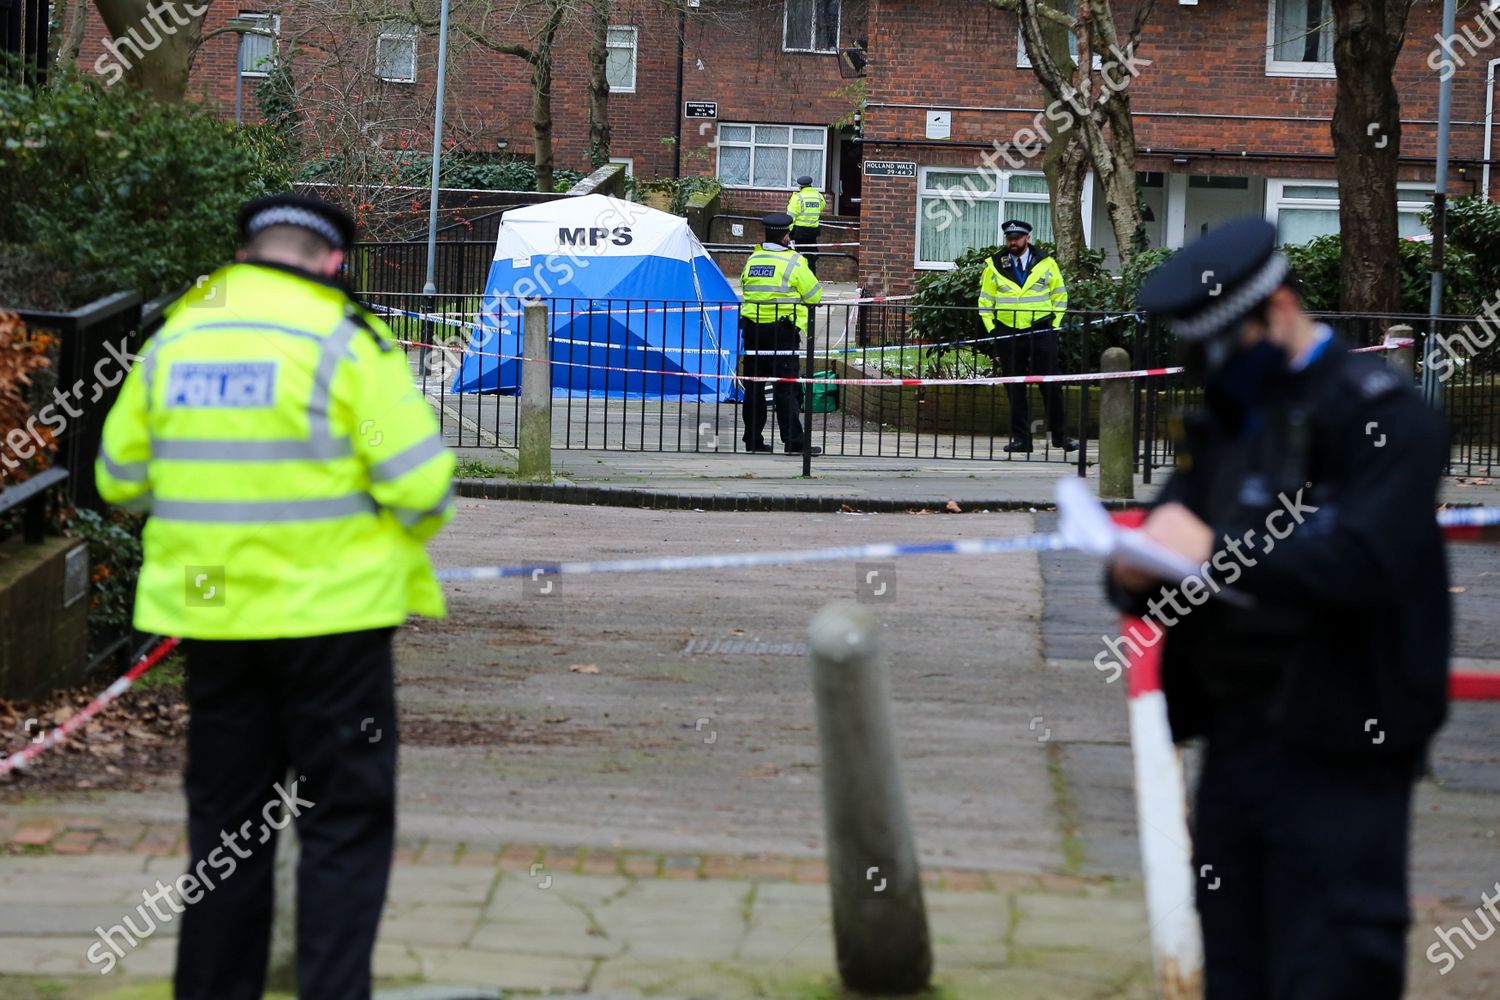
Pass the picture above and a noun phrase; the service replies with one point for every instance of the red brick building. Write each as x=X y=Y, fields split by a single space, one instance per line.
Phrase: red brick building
x=1232 y=112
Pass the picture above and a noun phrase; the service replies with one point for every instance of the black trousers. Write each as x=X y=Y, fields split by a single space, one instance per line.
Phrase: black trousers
x=1033 y=353
x=781 y=335
x=1306 y=898
x=325 y=706
x=802 y=236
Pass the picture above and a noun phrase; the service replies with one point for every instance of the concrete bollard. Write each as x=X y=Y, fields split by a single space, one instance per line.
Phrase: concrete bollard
x=1403 y=359
x=1116 y=435
x=281 y=971
x=879 y=919
x=534 y=434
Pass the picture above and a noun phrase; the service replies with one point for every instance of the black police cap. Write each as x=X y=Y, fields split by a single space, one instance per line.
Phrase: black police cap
x=1016 y=227
x=329 y=222
x=1209 y=286
x=777 y=221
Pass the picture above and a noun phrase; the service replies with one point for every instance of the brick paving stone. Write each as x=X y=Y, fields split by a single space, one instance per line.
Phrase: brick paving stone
x=120 y=837
x=36 y=833
x=810 y=871
x=75 y=842
x=680 y=866
x=773 y=869
x=440 y=854
x=600 y=863
x=640 y=866
x=723 y=866
x=405 y=855
x=518 y=858
x=562 y=859
x=966 y=881
x=480 y=859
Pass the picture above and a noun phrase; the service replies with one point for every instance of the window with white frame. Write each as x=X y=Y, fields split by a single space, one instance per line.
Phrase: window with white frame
x=396 y=54
x=810 y=26
x=1299 y=38
x=959 y=210
x=619 y=66
x=1304 y=210
x=627 y=161
x=1023 y=58
x=257 y=50
x=770 y=156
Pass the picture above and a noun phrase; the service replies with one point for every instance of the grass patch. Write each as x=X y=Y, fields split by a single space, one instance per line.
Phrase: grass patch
x=473 y=468
x=171 y=672
x=1067 y=811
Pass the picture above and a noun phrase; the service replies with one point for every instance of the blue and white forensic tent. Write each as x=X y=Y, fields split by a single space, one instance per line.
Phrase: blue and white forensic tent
x=637 y=309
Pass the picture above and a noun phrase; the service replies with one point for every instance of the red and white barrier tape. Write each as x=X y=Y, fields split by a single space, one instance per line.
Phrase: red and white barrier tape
x=21 y=758
x=986 y=380
x=748 y=247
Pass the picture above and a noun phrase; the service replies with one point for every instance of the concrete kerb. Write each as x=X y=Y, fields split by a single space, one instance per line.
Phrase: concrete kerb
x=799 y=503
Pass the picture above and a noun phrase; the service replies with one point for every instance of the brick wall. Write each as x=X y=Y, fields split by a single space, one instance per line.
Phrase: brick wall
x=1205 y=99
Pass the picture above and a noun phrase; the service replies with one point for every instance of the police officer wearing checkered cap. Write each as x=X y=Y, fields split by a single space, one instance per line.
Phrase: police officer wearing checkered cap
x=291 y=472
x=1306 y=486
x=777 y=287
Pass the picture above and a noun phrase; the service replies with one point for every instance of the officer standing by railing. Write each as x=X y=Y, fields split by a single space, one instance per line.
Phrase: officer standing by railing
x=1022 y=299
x=777 y=287
x=1306 y=486
x=805 y=206
x=291 y=471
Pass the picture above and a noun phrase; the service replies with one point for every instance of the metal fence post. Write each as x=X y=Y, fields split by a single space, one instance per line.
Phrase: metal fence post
x=879 y=919
x=807 y=395
x=534 y=433
x=1403 y=359
x=1116 y=436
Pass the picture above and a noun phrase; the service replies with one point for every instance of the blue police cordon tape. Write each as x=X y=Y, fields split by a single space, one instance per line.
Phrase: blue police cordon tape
x=737 y=560
x=1453 y=519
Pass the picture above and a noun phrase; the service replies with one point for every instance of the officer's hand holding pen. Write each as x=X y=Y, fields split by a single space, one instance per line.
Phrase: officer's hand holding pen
x=1173 y=527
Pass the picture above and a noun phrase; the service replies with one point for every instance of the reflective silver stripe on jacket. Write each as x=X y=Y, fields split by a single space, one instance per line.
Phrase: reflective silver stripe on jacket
x=403 y=462
x=128 y=472
x=243 y=512
x=410 y=518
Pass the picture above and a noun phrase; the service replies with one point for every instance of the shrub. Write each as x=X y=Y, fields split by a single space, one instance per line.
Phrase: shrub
x=115 y=549
x=1466 y=280
x=110 y=188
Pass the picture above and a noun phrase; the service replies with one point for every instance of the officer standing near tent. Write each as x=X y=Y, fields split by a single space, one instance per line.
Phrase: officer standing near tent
x=806 y=209
x=777 y=287
x=1308 y=483
x=291 y=471
x=1022 y=299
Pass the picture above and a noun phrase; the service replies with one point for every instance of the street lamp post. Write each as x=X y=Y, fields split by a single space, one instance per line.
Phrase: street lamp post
x=1431 y=388
x=429 y=290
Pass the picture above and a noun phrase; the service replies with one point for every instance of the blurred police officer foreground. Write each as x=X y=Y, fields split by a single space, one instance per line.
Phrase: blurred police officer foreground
x=291 y=472
x=1307 y=483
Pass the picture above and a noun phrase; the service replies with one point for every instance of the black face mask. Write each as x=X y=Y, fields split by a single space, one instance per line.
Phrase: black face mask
x=1243 y=379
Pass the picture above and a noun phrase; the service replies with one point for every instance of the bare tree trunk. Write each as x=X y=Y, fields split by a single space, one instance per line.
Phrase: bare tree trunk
x=599 y=132
x=541 y=120
x=67 y=52
x=1064 y=163
x=1367 y=142
x=154 y=44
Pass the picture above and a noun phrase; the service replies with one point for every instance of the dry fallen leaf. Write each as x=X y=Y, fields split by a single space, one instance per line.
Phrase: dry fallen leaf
x=584 y=668
x=952 y=507
x=1457 y=590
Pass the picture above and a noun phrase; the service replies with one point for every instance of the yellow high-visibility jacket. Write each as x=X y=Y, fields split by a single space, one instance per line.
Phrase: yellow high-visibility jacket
x=776 y=283
x=1019 y=306
x=291 y=468
x=806 y=207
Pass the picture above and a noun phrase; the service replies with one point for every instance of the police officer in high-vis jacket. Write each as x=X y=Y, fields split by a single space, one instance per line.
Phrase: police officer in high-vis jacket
x=1022 y=301
x=1306 y=487
x=291 y=472
x=805 y=206
x=777 y=286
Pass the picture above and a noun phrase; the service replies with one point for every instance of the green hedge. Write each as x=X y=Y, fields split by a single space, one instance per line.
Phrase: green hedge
x=106 y=188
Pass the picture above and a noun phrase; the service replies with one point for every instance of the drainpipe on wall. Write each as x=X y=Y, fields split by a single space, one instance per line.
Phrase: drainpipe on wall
x=681 y=55
x=1489 y=118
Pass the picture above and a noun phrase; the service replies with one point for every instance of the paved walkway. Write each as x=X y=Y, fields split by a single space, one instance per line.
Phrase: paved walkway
x=526 y=918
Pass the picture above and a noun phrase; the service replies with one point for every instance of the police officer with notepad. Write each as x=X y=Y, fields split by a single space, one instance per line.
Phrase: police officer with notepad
x=292 y=472
x=1307 y=483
